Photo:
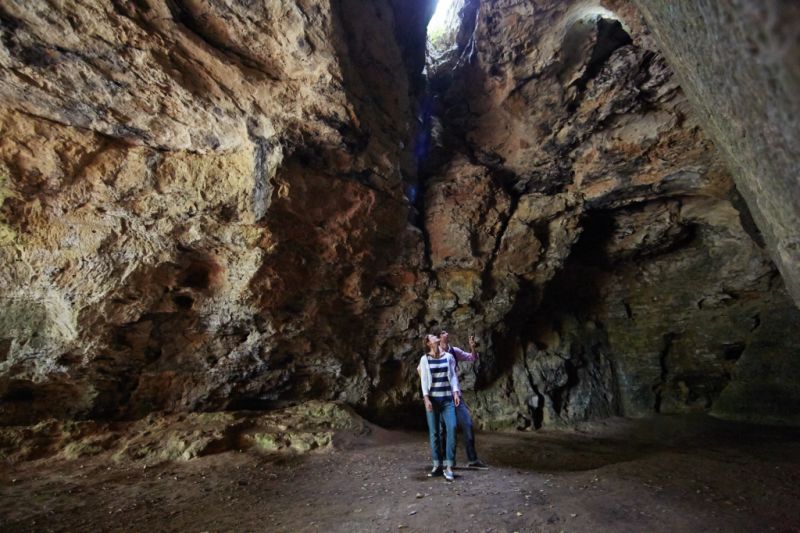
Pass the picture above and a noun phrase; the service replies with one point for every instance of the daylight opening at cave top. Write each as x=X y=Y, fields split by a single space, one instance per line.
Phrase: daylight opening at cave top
x=444 y=20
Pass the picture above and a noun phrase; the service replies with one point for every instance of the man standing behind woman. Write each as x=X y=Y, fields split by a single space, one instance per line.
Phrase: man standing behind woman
x=462 y=411
x=442 y=394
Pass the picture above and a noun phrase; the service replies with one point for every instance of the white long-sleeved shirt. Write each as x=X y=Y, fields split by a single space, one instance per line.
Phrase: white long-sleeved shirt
x=427 y=380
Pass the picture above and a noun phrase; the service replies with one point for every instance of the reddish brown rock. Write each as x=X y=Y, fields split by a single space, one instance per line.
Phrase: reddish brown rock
x=211 y=206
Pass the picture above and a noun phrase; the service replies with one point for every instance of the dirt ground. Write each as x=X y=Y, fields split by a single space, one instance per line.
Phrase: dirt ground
x=671 y=474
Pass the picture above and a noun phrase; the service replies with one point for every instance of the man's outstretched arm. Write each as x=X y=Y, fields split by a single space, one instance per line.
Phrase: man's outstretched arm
x=461 y=355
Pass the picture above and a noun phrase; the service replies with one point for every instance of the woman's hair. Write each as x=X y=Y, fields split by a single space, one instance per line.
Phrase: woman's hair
x=425 y=341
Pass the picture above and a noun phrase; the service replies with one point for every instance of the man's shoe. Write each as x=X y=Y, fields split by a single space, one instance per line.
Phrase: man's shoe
x=448 y=475
x=478 y=465
x=435 y=472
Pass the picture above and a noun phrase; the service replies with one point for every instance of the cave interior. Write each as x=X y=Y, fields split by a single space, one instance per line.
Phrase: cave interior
x=227 y=227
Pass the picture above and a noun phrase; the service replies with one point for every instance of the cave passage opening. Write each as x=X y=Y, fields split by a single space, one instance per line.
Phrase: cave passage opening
x=443 y=25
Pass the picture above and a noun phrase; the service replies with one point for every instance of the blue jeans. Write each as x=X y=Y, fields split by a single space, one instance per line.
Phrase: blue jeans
x=443 y=410
x=465 y=423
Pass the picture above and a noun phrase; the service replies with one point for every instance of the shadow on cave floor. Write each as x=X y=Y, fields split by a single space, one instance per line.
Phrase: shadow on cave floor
x=596 y=444
x=661 y=474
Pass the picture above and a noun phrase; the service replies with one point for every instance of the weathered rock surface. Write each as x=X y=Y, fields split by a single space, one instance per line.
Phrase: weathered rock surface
x=203 y=204
x=215 y=206
x=739 y=63
x=614 y=195
x=306 y=427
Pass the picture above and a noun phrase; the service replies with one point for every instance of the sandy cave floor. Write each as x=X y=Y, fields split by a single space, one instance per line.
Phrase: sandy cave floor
x=660 y=474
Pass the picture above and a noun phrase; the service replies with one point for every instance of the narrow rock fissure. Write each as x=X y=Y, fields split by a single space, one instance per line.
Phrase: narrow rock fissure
x=663 y=356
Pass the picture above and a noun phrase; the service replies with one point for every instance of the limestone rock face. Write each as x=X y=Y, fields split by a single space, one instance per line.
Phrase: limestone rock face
x=307 y=427
x=613 y=188
x=744 y=84
x=203 y=203
x=211 y=205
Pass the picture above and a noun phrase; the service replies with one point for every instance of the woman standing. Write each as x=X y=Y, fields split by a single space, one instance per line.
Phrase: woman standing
x=441 y=393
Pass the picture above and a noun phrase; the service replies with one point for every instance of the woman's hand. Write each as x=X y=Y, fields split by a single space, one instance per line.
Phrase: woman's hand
x=473 y=344
x=428 y=404
x=457 y=399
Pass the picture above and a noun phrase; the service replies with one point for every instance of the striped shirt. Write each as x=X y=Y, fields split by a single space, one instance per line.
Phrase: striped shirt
x=440 y=386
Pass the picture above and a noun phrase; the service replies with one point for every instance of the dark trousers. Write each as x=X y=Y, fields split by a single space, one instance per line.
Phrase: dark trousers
x=465 y=423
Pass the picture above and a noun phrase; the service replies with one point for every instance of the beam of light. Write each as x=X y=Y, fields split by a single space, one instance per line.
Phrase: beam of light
x=440 y=15
x=444 y=19
x=598 y=12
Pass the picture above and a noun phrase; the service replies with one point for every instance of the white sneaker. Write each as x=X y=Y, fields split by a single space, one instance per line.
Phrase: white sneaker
x=448 y=474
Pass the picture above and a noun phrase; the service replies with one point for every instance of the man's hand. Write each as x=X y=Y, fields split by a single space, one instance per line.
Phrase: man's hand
x=472 y=344
x=428 y=404
x=457 y=398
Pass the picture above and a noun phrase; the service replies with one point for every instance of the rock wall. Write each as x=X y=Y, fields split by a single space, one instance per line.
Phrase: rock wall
x=739 y=62
x=209 y=205
x=592 y=229
x=203 y=202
